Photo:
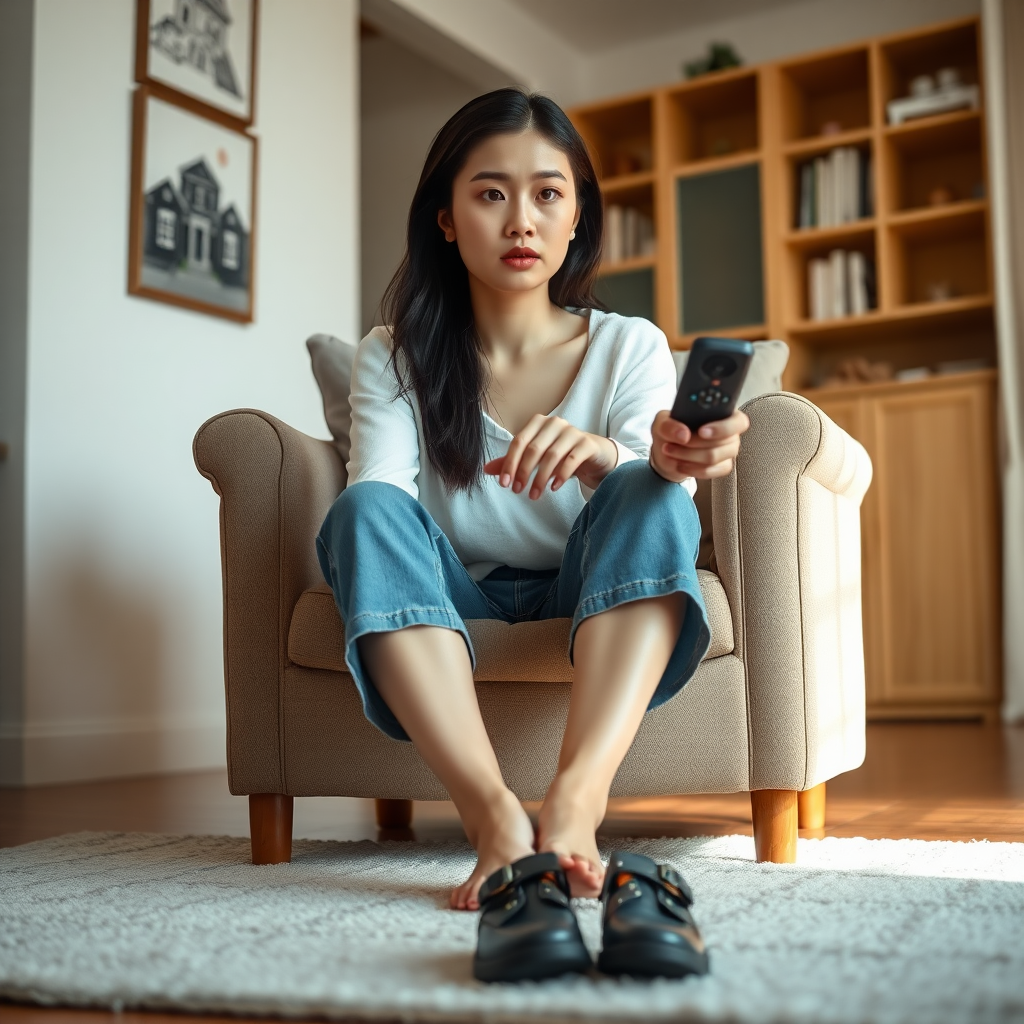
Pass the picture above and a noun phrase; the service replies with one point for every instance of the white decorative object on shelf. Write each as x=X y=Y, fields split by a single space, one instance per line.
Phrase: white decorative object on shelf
x=928 y=98
x=913 y=373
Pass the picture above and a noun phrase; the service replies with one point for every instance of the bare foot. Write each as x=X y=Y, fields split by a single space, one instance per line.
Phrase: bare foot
x=500 y=834
x=568 y=823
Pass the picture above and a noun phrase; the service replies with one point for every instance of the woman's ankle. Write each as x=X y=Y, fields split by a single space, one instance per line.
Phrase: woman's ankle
x=486 y=814
x=578 y=794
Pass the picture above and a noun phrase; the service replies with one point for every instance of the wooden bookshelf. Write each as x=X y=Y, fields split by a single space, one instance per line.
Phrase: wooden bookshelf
x=928 y=234
x=671 y=151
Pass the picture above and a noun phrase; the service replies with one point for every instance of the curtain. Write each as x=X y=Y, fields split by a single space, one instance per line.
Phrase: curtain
x=1003 y=28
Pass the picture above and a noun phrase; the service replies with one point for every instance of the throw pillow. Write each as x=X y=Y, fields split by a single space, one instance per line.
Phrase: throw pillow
x=332 y=367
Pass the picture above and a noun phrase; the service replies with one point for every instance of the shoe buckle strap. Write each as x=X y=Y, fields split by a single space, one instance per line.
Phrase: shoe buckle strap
x=662 y=875
x=497 y=883
x=671 y=879
x=523 y=870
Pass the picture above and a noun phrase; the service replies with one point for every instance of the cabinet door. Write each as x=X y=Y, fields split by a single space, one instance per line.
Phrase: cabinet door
x=935 y=485
x=853 y=414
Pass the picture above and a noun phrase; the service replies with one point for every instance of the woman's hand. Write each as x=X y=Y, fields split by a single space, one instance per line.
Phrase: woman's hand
x=677 y=453
x=557 y=450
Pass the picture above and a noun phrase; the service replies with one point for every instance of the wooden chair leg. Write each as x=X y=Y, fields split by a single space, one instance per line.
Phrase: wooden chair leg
x=811 y=807
x=394 y=813
x=270 y=827
x=774 y=813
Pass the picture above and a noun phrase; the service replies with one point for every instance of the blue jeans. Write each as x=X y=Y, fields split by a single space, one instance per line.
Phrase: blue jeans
x=390 y=566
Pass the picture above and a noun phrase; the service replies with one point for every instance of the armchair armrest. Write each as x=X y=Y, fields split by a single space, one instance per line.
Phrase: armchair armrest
x=787 y=543
x=275 y=485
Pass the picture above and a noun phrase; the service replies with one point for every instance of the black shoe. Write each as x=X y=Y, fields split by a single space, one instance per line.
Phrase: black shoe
x=648 y=928
x=528 y=930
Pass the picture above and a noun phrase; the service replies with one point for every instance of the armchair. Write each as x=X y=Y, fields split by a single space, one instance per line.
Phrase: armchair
x=776 y=708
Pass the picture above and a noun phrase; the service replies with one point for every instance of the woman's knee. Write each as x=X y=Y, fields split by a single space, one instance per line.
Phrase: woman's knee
x=367 y=509
x=371 y=501
x=634 y=490
x=636 y=481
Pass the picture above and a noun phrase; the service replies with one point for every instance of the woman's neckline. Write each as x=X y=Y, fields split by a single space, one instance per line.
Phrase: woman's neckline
x=503 y=432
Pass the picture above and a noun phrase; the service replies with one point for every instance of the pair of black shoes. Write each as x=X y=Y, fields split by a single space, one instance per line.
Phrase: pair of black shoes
x=528 y=930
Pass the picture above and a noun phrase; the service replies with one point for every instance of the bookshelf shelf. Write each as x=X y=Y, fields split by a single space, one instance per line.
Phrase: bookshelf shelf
x=898 y=387
x=629 y=221
x=720 y=163
x=940 y=258
x=805 y=148
x=825 y=94
x=922 y=316
x=713 y=117
x=942 y=160
x=941 y=123
x=852 y=233
x=937 y=217
x=905 y=57
x=619 y=135
x=627 y=183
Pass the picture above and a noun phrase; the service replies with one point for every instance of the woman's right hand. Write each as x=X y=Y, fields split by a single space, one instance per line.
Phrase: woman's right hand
x=558 y=451
x=678 y=453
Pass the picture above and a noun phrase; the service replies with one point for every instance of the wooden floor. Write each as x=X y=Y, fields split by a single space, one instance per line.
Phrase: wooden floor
x=956 y=781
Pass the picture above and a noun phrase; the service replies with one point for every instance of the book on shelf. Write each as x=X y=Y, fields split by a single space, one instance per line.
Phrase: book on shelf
x=843 y=284
x=835 y=189
x=629 y=232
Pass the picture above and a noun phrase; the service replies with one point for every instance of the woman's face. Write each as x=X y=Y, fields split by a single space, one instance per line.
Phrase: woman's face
x=513 y=210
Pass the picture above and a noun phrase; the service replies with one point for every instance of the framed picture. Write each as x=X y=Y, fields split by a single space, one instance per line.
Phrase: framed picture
x=193 y=201
x=203 y=50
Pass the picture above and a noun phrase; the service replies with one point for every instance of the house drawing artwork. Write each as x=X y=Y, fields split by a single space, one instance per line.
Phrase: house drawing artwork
x=185 y=231
x=196 y=34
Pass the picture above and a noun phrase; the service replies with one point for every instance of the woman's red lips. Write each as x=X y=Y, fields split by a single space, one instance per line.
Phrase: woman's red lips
x=521 y=254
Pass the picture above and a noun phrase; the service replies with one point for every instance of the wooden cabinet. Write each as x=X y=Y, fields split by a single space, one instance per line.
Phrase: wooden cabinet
x=930 y=534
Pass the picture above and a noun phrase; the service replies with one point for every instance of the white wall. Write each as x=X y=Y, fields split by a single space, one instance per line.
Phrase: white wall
x=502 y=37
x=123 y=593
x=781 y=32
x=404 y=100
x=489 y=42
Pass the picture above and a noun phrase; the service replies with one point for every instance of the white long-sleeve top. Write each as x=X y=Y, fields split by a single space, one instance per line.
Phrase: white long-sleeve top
x=627 y=376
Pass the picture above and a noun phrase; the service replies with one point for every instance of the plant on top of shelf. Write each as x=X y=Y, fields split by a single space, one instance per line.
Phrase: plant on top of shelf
x=719 y=57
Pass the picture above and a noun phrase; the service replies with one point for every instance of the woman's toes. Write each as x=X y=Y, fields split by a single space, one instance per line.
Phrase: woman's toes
x=461 y=895
x=585 y=878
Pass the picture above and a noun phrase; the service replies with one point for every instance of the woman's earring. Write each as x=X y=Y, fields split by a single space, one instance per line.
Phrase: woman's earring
x=572 y=235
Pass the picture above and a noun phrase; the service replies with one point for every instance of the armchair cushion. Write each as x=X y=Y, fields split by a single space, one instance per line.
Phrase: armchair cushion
x=527 y=651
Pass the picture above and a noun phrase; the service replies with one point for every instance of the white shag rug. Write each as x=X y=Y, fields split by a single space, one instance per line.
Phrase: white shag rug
x=858 y=931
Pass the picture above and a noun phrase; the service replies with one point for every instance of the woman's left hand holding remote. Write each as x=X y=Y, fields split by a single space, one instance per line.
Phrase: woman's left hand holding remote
x=558 y=451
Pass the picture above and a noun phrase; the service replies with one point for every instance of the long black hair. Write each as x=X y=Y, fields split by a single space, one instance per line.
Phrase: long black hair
x=427 y=304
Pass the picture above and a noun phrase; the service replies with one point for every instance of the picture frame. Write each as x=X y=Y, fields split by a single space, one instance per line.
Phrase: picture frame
x=192 y=214
x=201 y=51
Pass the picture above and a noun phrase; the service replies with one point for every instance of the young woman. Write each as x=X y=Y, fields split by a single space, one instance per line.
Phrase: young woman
x=513 y=458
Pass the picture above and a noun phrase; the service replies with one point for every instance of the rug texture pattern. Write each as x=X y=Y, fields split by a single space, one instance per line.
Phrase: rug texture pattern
x=857 y=931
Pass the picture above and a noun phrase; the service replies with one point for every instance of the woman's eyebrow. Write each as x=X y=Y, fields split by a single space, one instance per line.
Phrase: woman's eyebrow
x=502 y=176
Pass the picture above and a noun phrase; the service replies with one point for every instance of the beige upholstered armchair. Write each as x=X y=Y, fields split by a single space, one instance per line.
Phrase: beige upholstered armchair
x=775 y=709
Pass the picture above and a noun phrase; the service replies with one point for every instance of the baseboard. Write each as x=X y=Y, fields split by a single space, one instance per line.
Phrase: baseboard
x=80 y=751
